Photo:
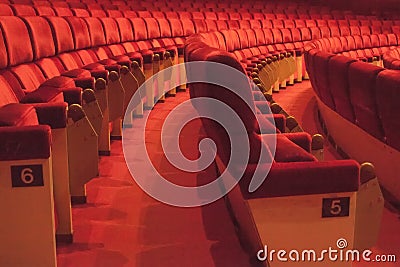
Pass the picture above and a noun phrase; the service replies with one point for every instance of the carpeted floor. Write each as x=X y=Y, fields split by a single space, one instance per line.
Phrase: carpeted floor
x=122 y=226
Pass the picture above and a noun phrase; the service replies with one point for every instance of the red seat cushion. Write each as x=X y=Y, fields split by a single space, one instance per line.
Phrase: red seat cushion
x=43 y=95
x=287 y=151
x=110 y=61
x=94 y=66
x=15 y=114
x=59 y=82
x=77 y=73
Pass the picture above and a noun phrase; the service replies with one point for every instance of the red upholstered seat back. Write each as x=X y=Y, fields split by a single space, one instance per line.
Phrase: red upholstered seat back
x=23 y=10
x=320 y=69
x=338 y=67
x=7 y=94
x=243 y=106
x=80 y=32
x=388 y=85
x=362 y=79
x=6 y=10
x=62 y=34
x=16 y=34
x=41 y=37
x=62 y=11
x=45 y=11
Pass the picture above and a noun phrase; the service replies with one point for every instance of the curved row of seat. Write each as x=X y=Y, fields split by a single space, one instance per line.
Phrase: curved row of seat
x=172 y=32
x=66 y=44
x=354 y=93
x=247 y=44
x=360 y=97
x=28 y=10
x=358 y=46
x=301 y=10
x=237 y=41
x=214 y=21
x=391 y=59
x=245 y=48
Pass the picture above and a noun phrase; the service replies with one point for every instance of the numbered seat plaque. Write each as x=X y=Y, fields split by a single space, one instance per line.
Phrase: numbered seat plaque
x=335 y=207
x=27 y=175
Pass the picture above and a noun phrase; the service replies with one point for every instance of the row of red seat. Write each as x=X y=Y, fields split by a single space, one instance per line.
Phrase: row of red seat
x=51 y=60
x=303 y=9
x=362 y=93
x=391 y=59
x=246 y=43
x=319 y=28
x=288 y=7
x=358 y=46
x=202 y=4
x=243 y=43
x=361 y=98
x=68 y=10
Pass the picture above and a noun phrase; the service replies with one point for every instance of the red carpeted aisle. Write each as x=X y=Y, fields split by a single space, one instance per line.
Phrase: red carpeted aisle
x=122 y=226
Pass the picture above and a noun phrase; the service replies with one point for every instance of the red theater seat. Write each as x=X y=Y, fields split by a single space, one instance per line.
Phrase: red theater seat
x=284 y=146
x=6 y=10
x=362 y=78
x=23 y=10
x=63 y=11
x=45 y=11
x=387 y=87
x=338 y=67
x=78 y=12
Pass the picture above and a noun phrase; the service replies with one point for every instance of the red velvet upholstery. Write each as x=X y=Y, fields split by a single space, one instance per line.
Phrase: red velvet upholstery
x=16 y=34
x=23 y=10
x=303 y=178
x=388 y=84
x=17 y=142
x=62 y=34
x=363 y=94
x=17 y=115
x=45 y=11
x=301 y=139
x=287 y=151
x=6 y=10
x=43 y=95
x=52 y=114
x=320 y=69
x=63 y=11
x=59 y=82
x=391 y=59
x=338 y=67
